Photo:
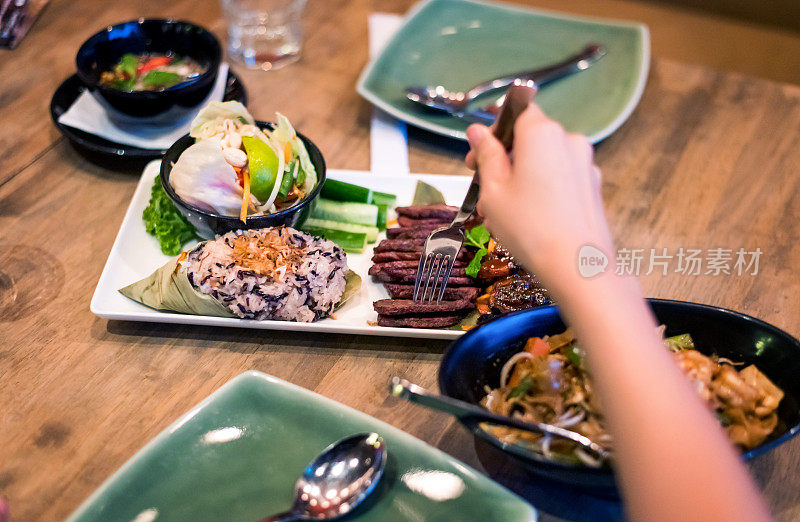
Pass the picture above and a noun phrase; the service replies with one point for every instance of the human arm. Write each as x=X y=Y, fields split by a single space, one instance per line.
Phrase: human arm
x=673 y=460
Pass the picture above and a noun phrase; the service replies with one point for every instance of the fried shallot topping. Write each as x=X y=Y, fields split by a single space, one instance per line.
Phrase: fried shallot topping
x=265 y=253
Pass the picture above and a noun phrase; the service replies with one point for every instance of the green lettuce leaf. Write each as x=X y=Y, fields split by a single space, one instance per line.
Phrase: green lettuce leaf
x=162 y=220
x=215 y=111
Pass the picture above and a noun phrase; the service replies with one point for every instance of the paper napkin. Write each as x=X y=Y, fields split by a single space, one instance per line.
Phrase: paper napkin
x=88 y=115
x=388 y=138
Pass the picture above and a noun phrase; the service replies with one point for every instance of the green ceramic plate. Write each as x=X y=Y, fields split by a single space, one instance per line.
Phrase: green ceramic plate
x=237 y=455
x=459 y=43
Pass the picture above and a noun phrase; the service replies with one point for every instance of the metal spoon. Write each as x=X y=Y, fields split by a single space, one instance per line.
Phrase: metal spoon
x=469 y=412
x=456 y=103
x=338 y=480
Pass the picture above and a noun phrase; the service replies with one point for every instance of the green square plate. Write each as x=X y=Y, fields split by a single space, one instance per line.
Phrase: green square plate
x=459 y=43
x=237 y=455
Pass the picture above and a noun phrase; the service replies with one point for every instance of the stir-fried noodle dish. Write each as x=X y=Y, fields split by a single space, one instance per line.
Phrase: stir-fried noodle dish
x=548 y=382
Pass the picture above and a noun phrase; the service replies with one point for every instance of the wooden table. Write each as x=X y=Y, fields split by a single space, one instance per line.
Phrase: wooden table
x=707 y=160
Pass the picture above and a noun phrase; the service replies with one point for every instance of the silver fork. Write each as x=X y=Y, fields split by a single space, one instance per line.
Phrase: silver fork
x=442 y=246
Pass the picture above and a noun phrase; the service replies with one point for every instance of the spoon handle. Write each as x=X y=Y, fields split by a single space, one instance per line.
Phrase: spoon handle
x=286 y=516
x=578 y=62
x=470 y=412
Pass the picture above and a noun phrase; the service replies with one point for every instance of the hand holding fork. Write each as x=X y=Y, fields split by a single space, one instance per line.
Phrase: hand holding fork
x=442 y=246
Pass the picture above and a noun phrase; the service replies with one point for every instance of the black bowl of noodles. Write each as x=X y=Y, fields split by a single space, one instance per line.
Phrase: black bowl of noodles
x=475 y=361
x=209 y=224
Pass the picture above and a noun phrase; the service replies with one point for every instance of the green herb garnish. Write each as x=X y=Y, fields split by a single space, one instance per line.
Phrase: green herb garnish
x=521 y=388
x=127 y=64
x=161 y=79
x=681 y=342
x=479 y=238
x=575 y=355
x=162 y=220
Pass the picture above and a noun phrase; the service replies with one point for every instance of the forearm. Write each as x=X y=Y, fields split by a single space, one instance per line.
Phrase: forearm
x=675 y=460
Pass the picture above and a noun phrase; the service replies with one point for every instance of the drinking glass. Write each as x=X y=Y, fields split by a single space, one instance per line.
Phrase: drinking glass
x=264 y=34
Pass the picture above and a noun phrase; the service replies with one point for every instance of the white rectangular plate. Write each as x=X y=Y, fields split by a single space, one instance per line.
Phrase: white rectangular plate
x=136 y=255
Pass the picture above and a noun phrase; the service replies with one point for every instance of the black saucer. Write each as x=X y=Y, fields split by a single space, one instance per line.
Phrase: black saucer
x=97 y=148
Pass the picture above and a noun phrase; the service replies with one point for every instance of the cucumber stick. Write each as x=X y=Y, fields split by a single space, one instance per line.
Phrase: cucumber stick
x=342 y=191
x=356 y=213
x=353 y=242
x=381 y=198
x=383 y=212
x=371 y=232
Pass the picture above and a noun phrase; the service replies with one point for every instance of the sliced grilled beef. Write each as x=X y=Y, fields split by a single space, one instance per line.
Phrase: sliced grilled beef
x=402 y=272
x=451 y=293
x=436 y=321
x=400 y=245
x=374 y=269
x=405 y=221
x=386 y=257
x=410 y=307
x=410 y=232
x=408 y=276
x=437 y=212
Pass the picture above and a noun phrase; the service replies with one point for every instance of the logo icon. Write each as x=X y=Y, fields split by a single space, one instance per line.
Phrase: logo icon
x=591 y=261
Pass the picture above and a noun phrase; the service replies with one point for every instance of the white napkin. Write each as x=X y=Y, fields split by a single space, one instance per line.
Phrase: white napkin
x=388 y=139
x=88 y=115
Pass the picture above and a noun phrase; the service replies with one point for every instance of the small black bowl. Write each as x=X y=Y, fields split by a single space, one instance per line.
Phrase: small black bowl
x=103 y=50
x=475 y=360
x=209 y=224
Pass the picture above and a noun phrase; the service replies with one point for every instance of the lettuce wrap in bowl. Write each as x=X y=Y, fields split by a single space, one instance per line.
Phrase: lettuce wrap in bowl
x=232 y=172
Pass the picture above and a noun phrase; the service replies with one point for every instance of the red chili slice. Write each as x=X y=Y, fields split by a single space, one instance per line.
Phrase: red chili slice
x=153 y=63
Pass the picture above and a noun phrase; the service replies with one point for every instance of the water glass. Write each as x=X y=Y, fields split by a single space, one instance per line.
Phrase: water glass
x=264 y=34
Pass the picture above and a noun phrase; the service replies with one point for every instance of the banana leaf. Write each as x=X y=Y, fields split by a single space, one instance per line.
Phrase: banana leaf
x=425 y=194
x=352 y=285
x=168 y=289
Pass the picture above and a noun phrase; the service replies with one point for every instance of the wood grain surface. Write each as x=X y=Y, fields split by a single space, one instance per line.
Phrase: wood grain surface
x=708 y=160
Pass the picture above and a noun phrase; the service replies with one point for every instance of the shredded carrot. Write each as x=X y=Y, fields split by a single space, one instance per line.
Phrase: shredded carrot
x=245 y=195
x=239 y=178
x=182 y=257
x=391 y=223
x=287 y=151
x=372 y=323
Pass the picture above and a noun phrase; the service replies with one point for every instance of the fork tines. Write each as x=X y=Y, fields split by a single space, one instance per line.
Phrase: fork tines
x=433 y=274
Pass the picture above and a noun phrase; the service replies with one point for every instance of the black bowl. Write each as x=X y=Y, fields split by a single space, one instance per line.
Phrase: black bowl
x=475 y=360
x=103 y=50
x=209 y=224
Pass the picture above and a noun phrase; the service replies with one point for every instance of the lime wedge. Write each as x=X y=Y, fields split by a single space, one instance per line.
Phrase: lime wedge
x=264 y=167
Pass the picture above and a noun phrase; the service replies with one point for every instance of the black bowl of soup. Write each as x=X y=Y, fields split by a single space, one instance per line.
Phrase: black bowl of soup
x=150 y=67
x=475 y=362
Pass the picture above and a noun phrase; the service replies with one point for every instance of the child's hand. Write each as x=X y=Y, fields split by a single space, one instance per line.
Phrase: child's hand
x=544 y=203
